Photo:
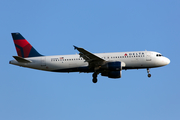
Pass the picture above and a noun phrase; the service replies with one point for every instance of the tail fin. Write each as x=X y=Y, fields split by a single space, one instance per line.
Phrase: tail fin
x=23 y=47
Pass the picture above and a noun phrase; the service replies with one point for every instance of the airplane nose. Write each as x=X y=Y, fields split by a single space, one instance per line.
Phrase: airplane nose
x=167 y=61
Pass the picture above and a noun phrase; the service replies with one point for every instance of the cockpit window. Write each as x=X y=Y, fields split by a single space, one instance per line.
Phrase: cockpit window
x=159 y=55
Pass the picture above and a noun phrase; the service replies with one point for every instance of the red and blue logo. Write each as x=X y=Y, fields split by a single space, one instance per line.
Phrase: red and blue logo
x=23 y=47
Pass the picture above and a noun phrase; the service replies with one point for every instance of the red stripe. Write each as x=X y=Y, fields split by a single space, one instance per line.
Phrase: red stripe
x=25 y=45
x=18 y=52
x=27 y=50
x=21 y=43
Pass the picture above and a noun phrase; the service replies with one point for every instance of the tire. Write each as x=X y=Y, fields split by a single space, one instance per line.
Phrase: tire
x=94 y=80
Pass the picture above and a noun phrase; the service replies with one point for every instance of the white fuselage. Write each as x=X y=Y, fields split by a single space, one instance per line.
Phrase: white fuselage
x=75 y=63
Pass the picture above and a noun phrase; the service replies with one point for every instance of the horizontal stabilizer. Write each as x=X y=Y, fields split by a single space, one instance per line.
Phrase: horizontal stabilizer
x=22 y=60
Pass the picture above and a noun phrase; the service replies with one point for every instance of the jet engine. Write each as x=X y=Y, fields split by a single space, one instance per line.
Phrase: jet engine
x=112 y=66
x=112 y=74
x=112 y=69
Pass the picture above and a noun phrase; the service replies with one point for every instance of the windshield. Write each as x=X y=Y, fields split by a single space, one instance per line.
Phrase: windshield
x=159 y=55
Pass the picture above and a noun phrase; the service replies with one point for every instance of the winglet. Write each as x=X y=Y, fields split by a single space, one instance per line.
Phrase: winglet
x=75 y=47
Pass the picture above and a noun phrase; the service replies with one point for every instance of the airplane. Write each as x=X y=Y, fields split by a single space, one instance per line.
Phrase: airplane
x=107 y=64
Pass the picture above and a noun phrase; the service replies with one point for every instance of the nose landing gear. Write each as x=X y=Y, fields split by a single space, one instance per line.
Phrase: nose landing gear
x=148 y=71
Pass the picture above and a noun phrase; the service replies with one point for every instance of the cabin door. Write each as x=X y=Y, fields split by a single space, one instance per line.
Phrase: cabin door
x=148 y=56
x=43 y=61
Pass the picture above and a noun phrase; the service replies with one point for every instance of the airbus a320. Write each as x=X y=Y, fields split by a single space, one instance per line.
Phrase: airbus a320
x=106 y=64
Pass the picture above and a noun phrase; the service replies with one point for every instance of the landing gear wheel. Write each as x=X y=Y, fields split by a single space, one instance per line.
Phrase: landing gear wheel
x=148 y=71
x=94 y=80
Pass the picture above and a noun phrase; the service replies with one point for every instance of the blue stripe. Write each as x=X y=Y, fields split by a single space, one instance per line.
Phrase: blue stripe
x=17 y=36
x=34 y=53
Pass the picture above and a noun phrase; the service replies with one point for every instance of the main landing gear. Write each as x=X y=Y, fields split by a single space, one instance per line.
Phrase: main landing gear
x=94 y=80
x=149 y=75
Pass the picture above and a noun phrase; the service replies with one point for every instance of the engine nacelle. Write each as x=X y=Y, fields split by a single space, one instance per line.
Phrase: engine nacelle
x=112 y=74
x=112 y=66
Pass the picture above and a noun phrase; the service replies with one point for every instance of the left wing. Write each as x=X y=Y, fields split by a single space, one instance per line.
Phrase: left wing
x=93 y=60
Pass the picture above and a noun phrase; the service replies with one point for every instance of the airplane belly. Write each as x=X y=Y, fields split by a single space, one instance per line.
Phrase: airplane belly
x=65 y=65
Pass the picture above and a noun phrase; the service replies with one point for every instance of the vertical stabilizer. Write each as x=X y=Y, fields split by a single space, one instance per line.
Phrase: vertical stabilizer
x=23 y=47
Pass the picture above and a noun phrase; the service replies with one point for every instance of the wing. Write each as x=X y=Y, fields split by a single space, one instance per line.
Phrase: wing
x=93 y=60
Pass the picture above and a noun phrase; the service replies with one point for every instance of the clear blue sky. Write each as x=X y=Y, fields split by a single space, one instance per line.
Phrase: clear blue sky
x=54 y=26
